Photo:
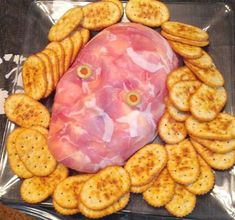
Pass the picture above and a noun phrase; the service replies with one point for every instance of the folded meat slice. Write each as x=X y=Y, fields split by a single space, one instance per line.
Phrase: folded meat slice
x=92 y=123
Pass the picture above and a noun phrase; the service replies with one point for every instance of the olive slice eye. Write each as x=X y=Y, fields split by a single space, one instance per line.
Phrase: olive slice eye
x=84 y=71
x=133 y=98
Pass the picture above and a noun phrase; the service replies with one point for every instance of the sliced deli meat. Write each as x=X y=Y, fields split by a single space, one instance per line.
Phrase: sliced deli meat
x=108 y=104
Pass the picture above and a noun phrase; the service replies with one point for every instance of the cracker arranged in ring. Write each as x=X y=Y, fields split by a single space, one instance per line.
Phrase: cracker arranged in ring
x=181 y=74
x=146 y=164
x=161 y=191
x=215 y=160
x=181 y=92
x=25 y=111
x=32 y=149
x=211 y=77
x=34 y=77
x=182 y=203
x=221 y=128
x=59 y=50
x=15 y=162
x=77 y=40
x=184 y=40
x=175 y=113
x=204 y=62
x=220 y=147
x=116 y=206
x=66 y=24
x=63 y=210
x=207 y=102
x=67 y=192
x=182 y=162
x=205 y=181
x=147 y=12
x=118 y=3
x=49 y=74
x=67 y=44
x=41 y=129
x=85 y=33
x=185 y=31
x=170 y=130
x=105 y=188
x=185 y=50
x=100 y=15
x=140 y=189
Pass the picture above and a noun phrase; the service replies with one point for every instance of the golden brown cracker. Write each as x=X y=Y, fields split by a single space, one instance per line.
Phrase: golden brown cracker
x=170 y=130
x=207 y=102
x=15 y=162
x=105 y=188
x=146 y=164
x=66 y=24
x=140 y=189
x=32 y=149
x=205 y=181
x=215 y=160
x=118 y=3
x=34 y=77
x=182 y=203
x=25 y=111
x=64 y=211
x=185 y=31
x=221 y=128
x=77 y=40
x=182 y=162
x=181 y=92
x=67 y=44
x=147 y=12
x=41 y=129
x=161 y=191
x=85 y=33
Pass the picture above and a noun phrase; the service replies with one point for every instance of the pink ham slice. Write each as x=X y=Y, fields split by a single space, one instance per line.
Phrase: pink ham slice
x=92 y=126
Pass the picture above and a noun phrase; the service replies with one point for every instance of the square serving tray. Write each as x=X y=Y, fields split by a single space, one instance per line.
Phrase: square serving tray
x=216 y=17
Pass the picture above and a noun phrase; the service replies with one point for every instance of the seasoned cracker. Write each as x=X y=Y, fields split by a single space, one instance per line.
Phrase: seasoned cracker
x=184 y=40
x=146 y=164
x=207 y=102
x=220 y=147
x=85 y=33
x=181 y=92
x=181 y=74
x=170 y=130
x=175 y=113
x=185 y=31
x=77 y=40
x=185 y=50
x=147 y=12
x=182 y=203
x=115 y=207
x=67 y=192
x=161 y=191
x=66 y=24
x=205 y=181
x=41 y=129
x=182 y=162
x=64 y=211
x=34 y=190
x=211 y=77
x=49 y=74
x=25 y=111
x=32 y=149
x=215 y=160
x=105 y=187
x=99 y=15
x=205 y=61
x=34 y=77
x=222 y=128
x=55 y=64
x=140 y=189
x=59 y=50
x=15 y=162
x=118 y=3
x=68 y=46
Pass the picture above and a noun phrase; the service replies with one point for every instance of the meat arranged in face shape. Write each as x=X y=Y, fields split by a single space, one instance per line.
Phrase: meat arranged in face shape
x=108 y=103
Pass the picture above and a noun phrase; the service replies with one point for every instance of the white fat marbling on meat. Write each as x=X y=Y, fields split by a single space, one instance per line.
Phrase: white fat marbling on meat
x=85 y=87
x=151 y=89
x=111 y=37
x=142 y=62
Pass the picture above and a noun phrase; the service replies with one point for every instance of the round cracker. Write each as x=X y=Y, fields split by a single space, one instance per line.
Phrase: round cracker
x=41 y=129
x=64 y=211
x=77 y=40
x=34 y=77
x=182 y=203
x=170 y=130
x=67 y=44
x=161 y=191
x=118 y=3
x=66 y=24
x=140 y=189
x=85 y=33
x=182 y=162
x=32 y=149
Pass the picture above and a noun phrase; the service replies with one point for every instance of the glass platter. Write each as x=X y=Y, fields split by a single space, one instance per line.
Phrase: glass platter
x=216 y=17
